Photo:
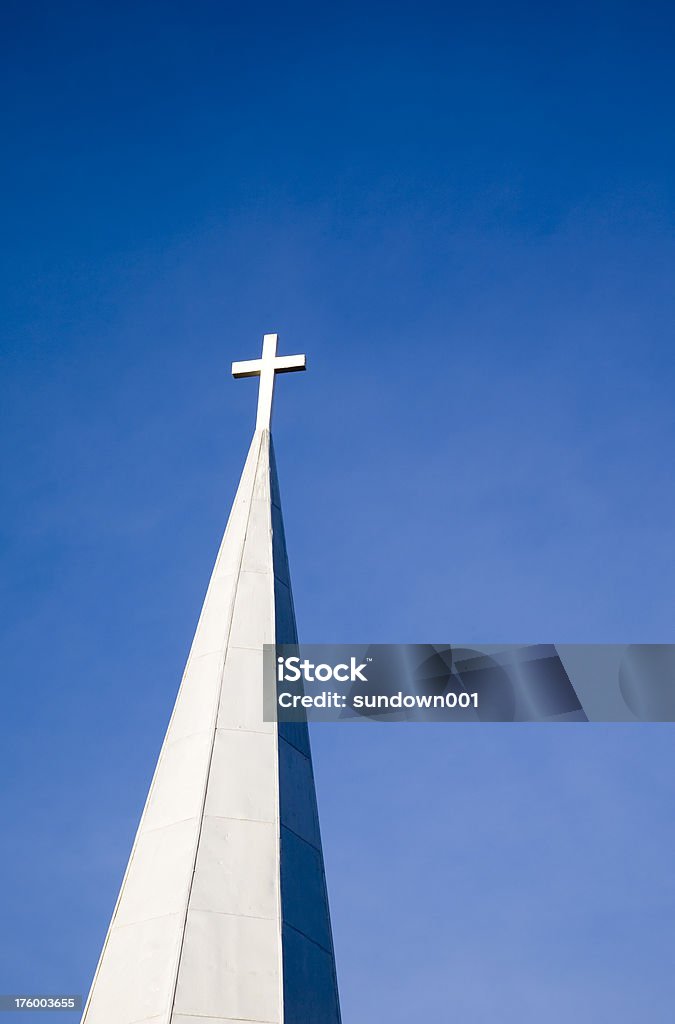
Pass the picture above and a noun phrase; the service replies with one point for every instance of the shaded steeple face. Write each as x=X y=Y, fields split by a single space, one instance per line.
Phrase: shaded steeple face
x=223 y=912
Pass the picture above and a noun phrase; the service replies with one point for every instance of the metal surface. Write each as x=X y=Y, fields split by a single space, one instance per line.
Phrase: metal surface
x=223 y=914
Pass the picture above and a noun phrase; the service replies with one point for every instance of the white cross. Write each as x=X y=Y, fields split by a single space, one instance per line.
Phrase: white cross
x=265 y=368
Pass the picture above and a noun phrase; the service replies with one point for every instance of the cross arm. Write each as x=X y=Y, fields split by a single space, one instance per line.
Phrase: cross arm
x=285 y=364
x=247 y=368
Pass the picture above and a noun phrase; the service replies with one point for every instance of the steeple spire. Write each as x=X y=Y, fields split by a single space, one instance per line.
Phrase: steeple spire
x=223 y=914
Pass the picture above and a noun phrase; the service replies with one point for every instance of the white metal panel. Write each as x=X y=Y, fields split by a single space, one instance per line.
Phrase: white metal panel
x=236 y=870
x=298 y=807
x=241 y=700
x=159 y=880
x=214 y=623
x=198 y=696
x=154 y=1020
x=258 y=547
x=285 y=615
x=281 y=569
x=297 y=734
x=229 y=967
x=303 y=889
x=253 y=619
x=242 y=782
x=136 y=973
x=181 y=1018
x=310 y=987
x=178 y=788
x=261 y=484
x=229 y=554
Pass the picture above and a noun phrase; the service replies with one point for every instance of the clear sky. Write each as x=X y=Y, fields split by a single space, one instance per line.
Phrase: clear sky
x=464 y=215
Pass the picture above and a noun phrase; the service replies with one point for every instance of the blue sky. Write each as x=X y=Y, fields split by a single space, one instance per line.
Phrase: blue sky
x=464 y=215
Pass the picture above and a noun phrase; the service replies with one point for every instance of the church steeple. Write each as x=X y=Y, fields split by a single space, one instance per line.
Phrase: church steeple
x=223 y=914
